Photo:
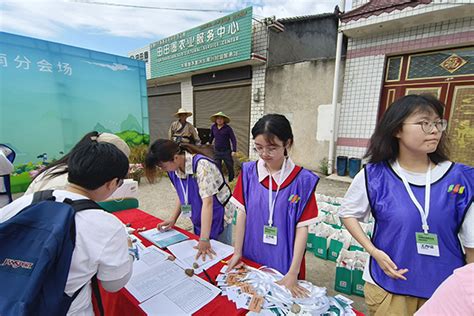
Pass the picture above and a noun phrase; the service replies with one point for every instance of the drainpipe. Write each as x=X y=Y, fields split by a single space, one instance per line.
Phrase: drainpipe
x=335 y=91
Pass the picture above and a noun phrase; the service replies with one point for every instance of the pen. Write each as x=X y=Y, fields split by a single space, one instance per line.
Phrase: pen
x=208 y=277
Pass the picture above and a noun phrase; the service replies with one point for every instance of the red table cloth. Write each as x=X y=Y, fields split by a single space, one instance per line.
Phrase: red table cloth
x=123 y=303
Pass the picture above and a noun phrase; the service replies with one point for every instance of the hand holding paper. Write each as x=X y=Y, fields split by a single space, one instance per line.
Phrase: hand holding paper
x=165 y=225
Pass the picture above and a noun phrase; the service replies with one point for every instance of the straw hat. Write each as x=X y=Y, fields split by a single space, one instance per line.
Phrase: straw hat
x=183 y=111
x=221 y=114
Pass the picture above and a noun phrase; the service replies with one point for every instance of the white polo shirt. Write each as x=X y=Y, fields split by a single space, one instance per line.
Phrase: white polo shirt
x=101 y=247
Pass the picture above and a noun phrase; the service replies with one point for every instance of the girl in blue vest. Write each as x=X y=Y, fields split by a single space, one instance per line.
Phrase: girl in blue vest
x=421 y=203
x=202 y=191
x=276 y=204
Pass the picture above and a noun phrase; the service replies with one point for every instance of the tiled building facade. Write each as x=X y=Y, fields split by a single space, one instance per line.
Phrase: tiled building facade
x=377 y=31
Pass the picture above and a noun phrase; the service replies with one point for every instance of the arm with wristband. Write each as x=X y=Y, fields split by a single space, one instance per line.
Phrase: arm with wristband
x=204 y=247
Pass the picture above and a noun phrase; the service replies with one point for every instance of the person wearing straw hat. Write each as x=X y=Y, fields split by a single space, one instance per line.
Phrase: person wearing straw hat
x=181 y=131
x=223 y=136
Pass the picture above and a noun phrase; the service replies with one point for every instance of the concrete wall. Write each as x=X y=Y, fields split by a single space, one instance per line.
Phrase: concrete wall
x=304 y=39
x=303 y=93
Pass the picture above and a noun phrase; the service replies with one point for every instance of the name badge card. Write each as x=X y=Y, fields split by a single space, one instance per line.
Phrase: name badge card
x=186 y=210
x=427 y=244
x=270 y=235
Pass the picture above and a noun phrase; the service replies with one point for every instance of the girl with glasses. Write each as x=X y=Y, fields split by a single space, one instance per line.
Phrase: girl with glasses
x=275 y=204
x=421 y=203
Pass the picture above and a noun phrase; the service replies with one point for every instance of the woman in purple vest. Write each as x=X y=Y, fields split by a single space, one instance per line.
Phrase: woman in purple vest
x=421 y=203
x=276 y=203
x=202 y=191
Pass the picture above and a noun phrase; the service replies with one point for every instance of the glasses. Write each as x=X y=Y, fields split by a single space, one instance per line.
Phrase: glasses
x=428 y=127
x=271 y=151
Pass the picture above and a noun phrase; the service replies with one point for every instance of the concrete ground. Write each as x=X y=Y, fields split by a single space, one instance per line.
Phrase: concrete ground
x=159 y=199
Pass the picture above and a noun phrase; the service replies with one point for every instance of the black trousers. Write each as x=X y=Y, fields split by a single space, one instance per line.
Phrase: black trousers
x=225 y=155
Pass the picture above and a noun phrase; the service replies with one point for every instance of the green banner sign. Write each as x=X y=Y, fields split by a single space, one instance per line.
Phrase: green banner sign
x=222 y=41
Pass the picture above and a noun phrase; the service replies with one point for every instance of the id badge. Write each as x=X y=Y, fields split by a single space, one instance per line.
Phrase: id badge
x=186 y=210
x=427 y=244
x=270 y=235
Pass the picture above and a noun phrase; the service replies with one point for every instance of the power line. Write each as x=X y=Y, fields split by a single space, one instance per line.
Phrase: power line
x=148 y=7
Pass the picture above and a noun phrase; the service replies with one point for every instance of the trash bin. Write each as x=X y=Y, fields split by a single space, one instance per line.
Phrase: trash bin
x=354 y=166
x=341 y=163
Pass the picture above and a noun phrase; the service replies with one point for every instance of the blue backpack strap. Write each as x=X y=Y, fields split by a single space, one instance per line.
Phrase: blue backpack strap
x=84 y=204
x=46 y=195
x=81 y=205
x=77 y=205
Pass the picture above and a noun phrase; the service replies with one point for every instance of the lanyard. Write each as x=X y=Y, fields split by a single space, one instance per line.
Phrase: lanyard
x=423 y=213
x=271 y=200
x=185 y=192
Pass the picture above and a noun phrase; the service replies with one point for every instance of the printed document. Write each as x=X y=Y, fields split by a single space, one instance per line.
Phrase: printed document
x=183 y=298
x=186 y=254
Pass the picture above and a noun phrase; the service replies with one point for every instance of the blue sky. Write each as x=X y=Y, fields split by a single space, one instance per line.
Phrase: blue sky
x=119 y=30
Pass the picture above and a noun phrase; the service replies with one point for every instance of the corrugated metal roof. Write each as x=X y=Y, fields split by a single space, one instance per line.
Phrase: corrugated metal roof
x=377 y=7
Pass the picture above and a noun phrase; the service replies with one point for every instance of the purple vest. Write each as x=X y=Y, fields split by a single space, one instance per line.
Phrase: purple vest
x=397 y=220
x=196 y=202
x=285 y=218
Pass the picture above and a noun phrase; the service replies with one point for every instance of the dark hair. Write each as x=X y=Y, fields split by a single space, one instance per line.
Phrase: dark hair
x=93 y=164
x=383 y=143
x=164 y=150
x=63 y=161
x=271 y=126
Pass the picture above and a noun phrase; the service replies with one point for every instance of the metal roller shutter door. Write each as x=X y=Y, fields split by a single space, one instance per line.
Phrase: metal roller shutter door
x=234 y=102
x=160 y=112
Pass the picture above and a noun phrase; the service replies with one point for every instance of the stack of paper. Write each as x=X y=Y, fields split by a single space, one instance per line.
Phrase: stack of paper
x=162 y=287
x=153 y=274
x=182 y=298
x=186 y=254
x=163 y=238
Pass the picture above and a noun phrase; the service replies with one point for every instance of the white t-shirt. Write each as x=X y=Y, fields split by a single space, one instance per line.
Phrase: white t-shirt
x=101 y=247
x=44 y=182
x=356 y=203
